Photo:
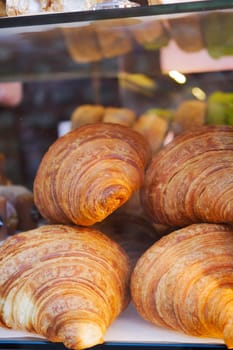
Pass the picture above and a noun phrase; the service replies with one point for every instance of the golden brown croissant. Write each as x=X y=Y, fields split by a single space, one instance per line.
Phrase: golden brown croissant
x=185 y=282
x=65 y=283
x=190 y=180
x=90 y=172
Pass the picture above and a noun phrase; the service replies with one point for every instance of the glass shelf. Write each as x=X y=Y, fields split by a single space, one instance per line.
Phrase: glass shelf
x=40 y=345
x=98 y=43
x=93 y=15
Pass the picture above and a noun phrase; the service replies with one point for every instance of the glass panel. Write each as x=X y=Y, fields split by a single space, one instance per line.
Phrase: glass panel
x=145 y=63
x=108 y=13
x=189 y=42
x=170 y=64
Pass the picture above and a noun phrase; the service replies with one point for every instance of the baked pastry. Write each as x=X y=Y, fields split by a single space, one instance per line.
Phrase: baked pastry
x=218 y=33
x=90 y=172
x=220 y=108
x=154 y=128
x=190 y=179
x=28 y=7
x=184 y=282
x=124 y=116
x=2 y=8
x=189 y=114
x=82 y=51
x=187 y=33
x=22 y=7
x=67 y=284
x=151 y=35
x=86 y=114
x=113 y=39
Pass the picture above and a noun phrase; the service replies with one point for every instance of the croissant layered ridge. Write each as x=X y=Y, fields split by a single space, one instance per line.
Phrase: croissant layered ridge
x=191 y=179
x=65 y=283
x=184 y=282
x=90 y=172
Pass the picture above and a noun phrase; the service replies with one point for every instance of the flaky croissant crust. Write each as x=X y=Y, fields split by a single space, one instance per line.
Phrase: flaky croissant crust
x=65 y=283
x=185 y=282
x=190 y=180
x=90 y=172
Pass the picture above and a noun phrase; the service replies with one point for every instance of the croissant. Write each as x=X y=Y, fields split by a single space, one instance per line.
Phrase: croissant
x=65 y=283
x=184 y=282
x=190 y=179
x=90 y=172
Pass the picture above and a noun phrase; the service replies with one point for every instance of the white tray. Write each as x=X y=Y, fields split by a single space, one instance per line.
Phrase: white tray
x=129 y=328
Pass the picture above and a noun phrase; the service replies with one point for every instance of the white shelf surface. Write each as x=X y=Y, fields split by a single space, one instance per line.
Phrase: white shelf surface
x=128 y=328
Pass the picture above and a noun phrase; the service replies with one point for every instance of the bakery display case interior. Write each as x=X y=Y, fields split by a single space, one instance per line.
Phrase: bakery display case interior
x=116 y=177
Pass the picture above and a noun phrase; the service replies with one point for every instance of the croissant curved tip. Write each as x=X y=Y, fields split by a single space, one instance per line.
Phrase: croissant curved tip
x=91 y=335
x=228 y=335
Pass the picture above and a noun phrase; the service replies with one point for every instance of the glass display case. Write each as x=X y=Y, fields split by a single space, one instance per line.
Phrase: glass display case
x=172 y=61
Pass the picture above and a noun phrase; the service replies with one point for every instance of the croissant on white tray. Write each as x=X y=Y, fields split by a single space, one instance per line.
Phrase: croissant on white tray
x=90 y=172
x=184 y=282
x=65 y=283
x=191 y=179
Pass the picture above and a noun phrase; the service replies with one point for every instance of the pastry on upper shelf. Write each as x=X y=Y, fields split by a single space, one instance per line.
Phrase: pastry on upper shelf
x=22 y=7
x=2 y=8
x=187 y=33
x=190 y=179
x=123 y=116
x=90 y=172
x=113 y=39
x=183 y=282
x=82 y=44
x=220 y=108
x=151 y=35
x=86 y=114
x=65 y=283
x=189 y=115
x=217 y=30
x=29 y=7
x=154 y=128
x=96 y=41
